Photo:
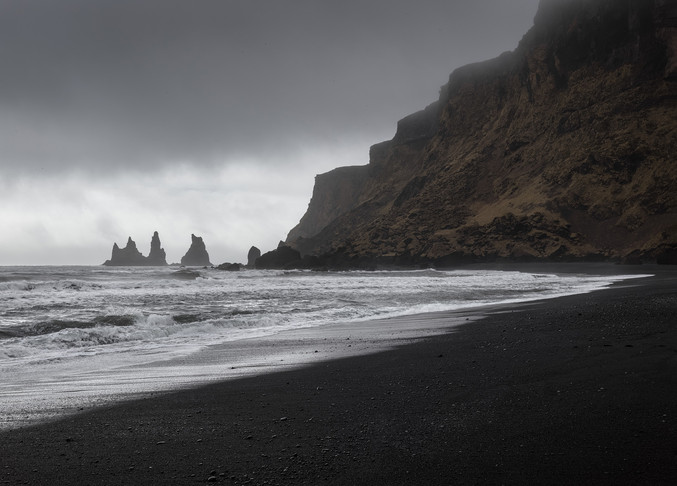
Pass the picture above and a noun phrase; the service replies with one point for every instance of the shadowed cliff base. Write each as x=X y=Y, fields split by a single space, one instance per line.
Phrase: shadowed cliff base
x=561 y=150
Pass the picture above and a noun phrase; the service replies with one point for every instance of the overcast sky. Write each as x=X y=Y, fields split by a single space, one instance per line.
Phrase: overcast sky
x=123 y=117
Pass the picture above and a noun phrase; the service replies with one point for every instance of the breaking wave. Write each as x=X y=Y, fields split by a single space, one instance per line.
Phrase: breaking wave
x=56 y=312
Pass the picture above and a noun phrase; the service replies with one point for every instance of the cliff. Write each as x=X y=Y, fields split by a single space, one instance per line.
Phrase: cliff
x=333 y=192
x=131 y=256
x=560 y=150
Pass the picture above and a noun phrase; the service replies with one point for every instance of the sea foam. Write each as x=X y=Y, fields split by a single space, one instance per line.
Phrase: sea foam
x=105 y=326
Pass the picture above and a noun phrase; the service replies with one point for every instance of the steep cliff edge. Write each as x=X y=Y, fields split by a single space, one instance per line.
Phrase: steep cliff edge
x=562 y=149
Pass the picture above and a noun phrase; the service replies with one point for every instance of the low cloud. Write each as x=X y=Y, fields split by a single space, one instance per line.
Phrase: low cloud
x=76 y=219
x=123 y=117
x=109 y=86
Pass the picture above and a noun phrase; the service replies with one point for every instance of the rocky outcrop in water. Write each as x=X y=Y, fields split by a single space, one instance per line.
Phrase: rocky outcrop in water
x=197 y=255
x=157 y=255
x=252 y=255
x=560 y=150
x=281 y=258
x=131 y=256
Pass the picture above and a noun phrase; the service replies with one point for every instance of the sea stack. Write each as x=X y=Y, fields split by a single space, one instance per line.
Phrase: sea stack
x=157 y=255
x=127 y=256
x=252 y=255
x=197 y=255
x=132 y=257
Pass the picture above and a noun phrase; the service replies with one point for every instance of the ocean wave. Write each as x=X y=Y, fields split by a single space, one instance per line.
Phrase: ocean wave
x=138 y=330
x=49 y=285
x=58 y=325
x=16 y=285
x=98 y=311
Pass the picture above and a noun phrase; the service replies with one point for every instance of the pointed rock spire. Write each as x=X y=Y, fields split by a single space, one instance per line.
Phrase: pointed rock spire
x=197 y=255
x=157 y=255
x=131 y=256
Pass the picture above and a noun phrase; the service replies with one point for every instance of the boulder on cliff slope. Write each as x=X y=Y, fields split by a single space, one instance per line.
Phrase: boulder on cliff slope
x=197 y=255
x=131 y=256
x=560 y=150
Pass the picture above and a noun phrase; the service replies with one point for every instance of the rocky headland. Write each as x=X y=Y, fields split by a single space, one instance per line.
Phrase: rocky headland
x=281 y=258
x=131 y=256
x=562 y=149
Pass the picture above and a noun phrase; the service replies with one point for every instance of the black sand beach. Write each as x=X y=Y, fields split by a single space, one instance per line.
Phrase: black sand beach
x=575 y=390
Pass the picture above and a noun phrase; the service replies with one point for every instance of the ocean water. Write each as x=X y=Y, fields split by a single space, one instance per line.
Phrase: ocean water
x=76 y=337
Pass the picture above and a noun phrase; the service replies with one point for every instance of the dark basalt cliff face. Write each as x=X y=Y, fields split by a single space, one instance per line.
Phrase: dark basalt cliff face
x=563 y=149
x=333 y=193
x=281 y=258
x=196 y=255
x=131 y=256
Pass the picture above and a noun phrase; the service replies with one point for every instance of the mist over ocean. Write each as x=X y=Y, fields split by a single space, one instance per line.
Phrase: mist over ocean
x=79 y=336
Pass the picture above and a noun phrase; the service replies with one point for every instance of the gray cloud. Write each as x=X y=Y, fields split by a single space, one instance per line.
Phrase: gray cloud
x=128 y=83
x=121 y=117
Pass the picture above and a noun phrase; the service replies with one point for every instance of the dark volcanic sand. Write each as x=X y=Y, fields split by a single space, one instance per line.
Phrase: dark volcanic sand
x=577 y=390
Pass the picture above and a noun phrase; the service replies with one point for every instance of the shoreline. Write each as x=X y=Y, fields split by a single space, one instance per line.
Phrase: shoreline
x=572 y=390
x=75 y=386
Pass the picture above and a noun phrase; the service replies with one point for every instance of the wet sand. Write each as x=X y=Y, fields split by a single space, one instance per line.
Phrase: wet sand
x=575 y=390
